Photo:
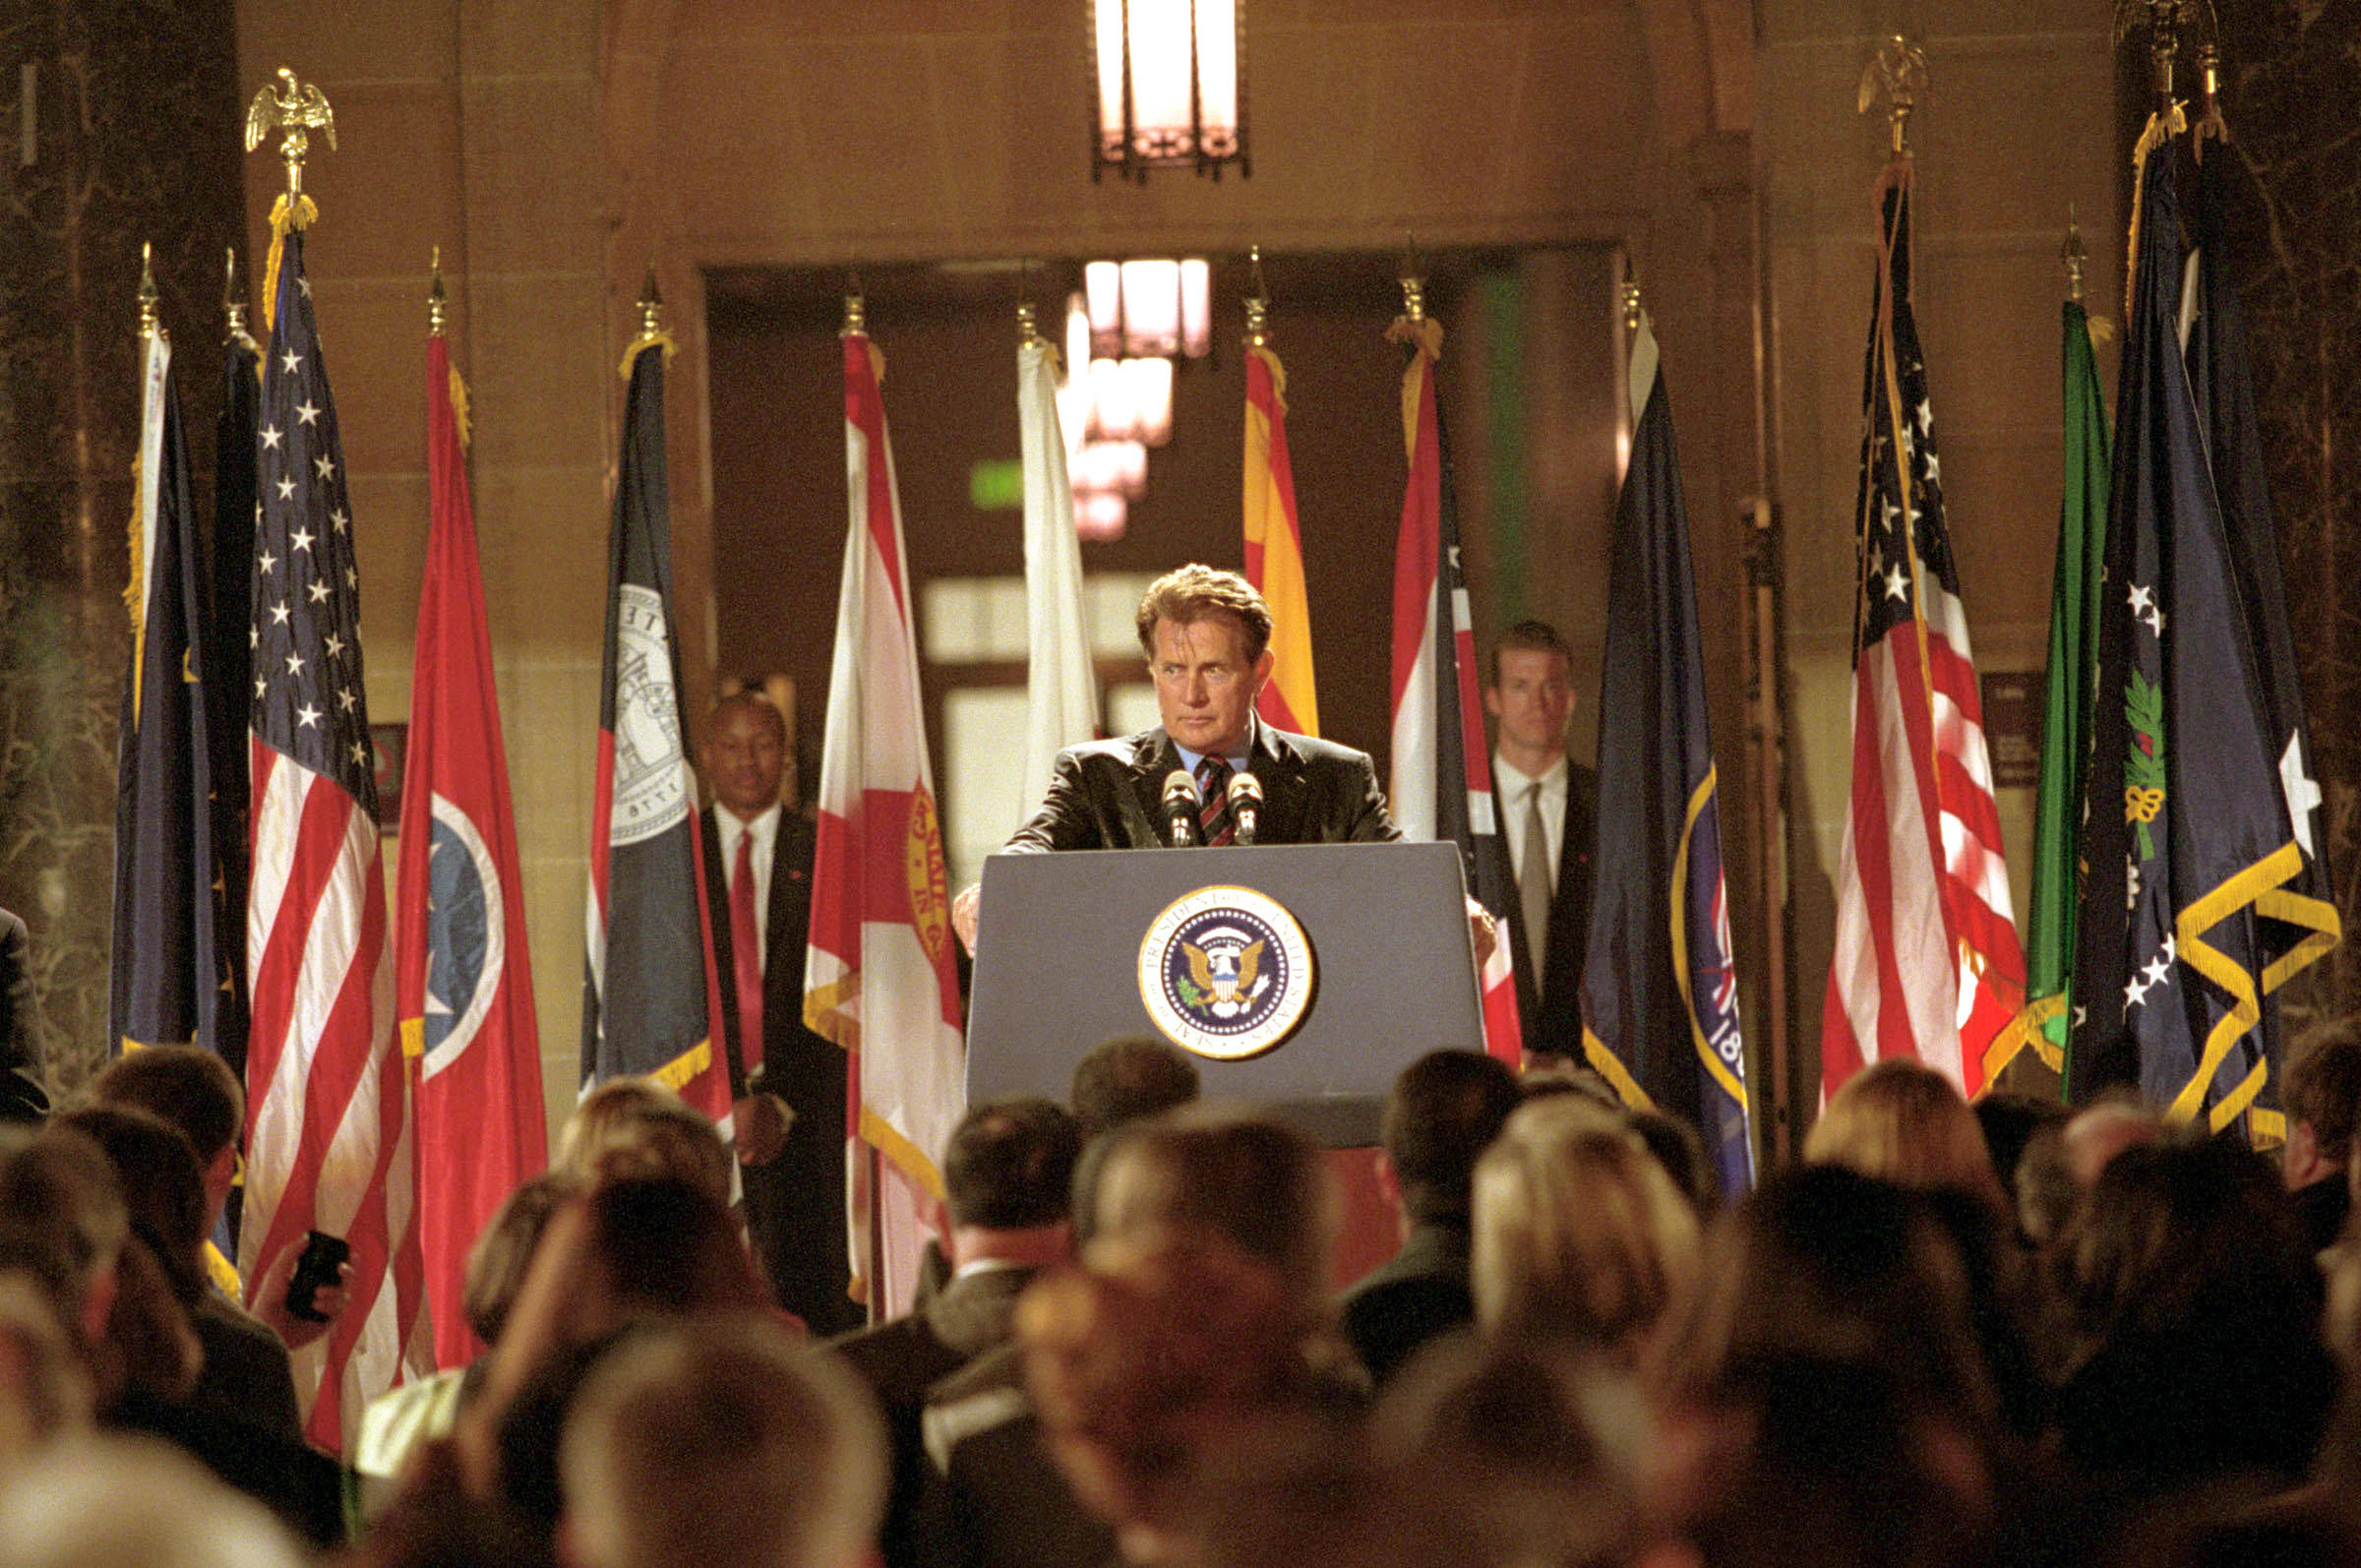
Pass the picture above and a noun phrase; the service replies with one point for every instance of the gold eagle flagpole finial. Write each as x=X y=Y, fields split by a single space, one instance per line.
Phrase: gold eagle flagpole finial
x=438 y=301
x=1898 y=70
x=297 y=108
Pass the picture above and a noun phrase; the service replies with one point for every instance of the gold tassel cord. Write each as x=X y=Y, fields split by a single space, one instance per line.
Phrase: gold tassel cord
x=2162 y=126
x=288 y=215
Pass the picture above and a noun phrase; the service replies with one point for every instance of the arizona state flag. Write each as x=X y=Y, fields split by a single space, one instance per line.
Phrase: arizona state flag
x=1659 y=988
x=1275 y=546
x=462 y=988
x=2077 y=587
x=879 y=978
x=1443 y=774
x=2191 y=910
x=166 y=973
x=649 y=993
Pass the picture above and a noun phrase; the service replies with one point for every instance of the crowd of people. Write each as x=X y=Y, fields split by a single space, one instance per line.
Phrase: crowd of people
x=1950 y=1335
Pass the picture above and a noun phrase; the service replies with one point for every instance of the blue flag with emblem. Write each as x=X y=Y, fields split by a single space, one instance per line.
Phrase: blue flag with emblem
x=1659 y=991
x=2193 y=909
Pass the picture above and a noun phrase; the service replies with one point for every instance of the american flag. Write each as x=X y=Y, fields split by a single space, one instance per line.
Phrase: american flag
x=328 y=1094
x=1927 y=962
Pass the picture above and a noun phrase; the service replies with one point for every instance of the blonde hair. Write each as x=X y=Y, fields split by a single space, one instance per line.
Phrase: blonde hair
x=630 y=1128
x=1902 y=1122
x=1580 y=1235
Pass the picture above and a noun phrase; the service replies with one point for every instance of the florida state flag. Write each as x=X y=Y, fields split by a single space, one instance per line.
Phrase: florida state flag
x=881 y=979
x=461 y=986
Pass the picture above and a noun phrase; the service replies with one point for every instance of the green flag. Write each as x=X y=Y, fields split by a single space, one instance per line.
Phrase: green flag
x=2073 y=605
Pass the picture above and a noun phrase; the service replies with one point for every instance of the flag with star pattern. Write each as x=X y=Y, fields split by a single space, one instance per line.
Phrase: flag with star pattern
x=1927 y=964
x=327 y=1091
x=2193 y=909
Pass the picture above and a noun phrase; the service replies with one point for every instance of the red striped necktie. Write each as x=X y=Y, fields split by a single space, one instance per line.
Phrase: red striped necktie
x=746 y=953
x=1217 y=825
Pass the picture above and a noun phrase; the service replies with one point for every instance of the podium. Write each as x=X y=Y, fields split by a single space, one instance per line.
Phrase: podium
x=1388 y=971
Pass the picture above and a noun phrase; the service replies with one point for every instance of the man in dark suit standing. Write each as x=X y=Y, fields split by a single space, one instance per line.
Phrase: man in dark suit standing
x=788 y=1083
x=1206 y=634
x=1007 y=1177
x=1445 y=1109
x=1550 y=809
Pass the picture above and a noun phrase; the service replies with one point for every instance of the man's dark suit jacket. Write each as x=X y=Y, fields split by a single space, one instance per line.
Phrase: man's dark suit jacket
x=1418 y=1294
x=794 y=1205
x=901 y=1359
x=1109 y=794
x=1552 y=1015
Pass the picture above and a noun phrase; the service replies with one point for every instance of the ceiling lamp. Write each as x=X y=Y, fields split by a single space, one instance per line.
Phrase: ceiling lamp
x=1170 y=81
x=1149 y=307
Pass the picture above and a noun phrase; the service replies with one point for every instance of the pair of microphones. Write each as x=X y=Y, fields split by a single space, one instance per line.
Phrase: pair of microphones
x=1180 y=806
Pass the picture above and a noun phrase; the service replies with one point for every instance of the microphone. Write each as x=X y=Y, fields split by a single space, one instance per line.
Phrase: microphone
x=1180 y=806
x=1245 y=802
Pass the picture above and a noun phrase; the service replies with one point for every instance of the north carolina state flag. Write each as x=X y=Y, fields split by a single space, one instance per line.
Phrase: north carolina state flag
x=881 y=979
x=461 y=986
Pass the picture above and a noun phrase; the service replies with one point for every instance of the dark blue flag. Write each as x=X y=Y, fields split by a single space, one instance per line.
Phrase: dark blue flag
x=649 y=991
x=1660 y=992
x=2222 y=384
x=229 y=671
x=2191 y=910
x=166 y=973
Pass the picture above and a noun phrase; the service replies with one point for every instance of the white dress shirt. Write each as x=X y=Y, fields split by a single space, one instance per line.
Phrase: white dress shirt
x=1511 y=787
x=765 y=830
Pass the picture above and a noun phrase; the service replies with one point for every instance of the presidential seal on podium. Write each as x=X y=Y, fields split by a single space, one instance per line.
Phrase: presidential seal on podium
x=1226 y=971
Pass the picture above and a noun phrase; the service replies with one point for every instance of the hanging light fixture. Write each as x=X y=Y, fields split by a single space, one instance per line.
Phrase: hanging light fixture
x=1170 y=82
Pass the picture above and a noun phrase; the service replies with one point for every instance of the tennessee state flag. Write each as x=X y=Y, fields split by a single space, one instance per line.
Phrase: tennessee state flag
x=1442 y=772
x=881 y=978
x=1275 y=545
x=462 y=988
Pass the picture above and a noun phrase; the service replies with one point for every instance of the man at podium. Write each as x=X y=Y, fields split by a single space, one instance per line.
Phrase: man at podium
x=1206 y=634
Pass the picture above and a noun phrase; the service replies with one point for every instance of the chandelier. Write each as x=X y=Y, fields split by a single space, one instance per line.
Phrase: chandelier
x=1169 y=80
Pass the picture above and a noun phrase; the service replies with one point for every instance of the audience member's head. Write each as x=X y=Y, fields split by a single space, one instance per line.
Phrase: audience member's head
x=1681 y=1152
x=44 y=1386
x=636 y=1128
x=2104 y=1128
x=721 y=1443
x=1565 y=1078
x=1010 y=1166
x=1532 y=1450
x=504 y=1251
x=1257 y=1182
x=162 y=1188
x=1580 y=1238
x=2322 y=1097
x=194 y=1089
x=665 y=1246
x=63 y=1224
x=129 y=1502
x=2046 y=1191
x=1129 y=1077
x=1902 y=1122
x=1167 y=1345
x=2197 y=1303
x=1825 y=1266
x=2010 y=1122
x=1444 y=1111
